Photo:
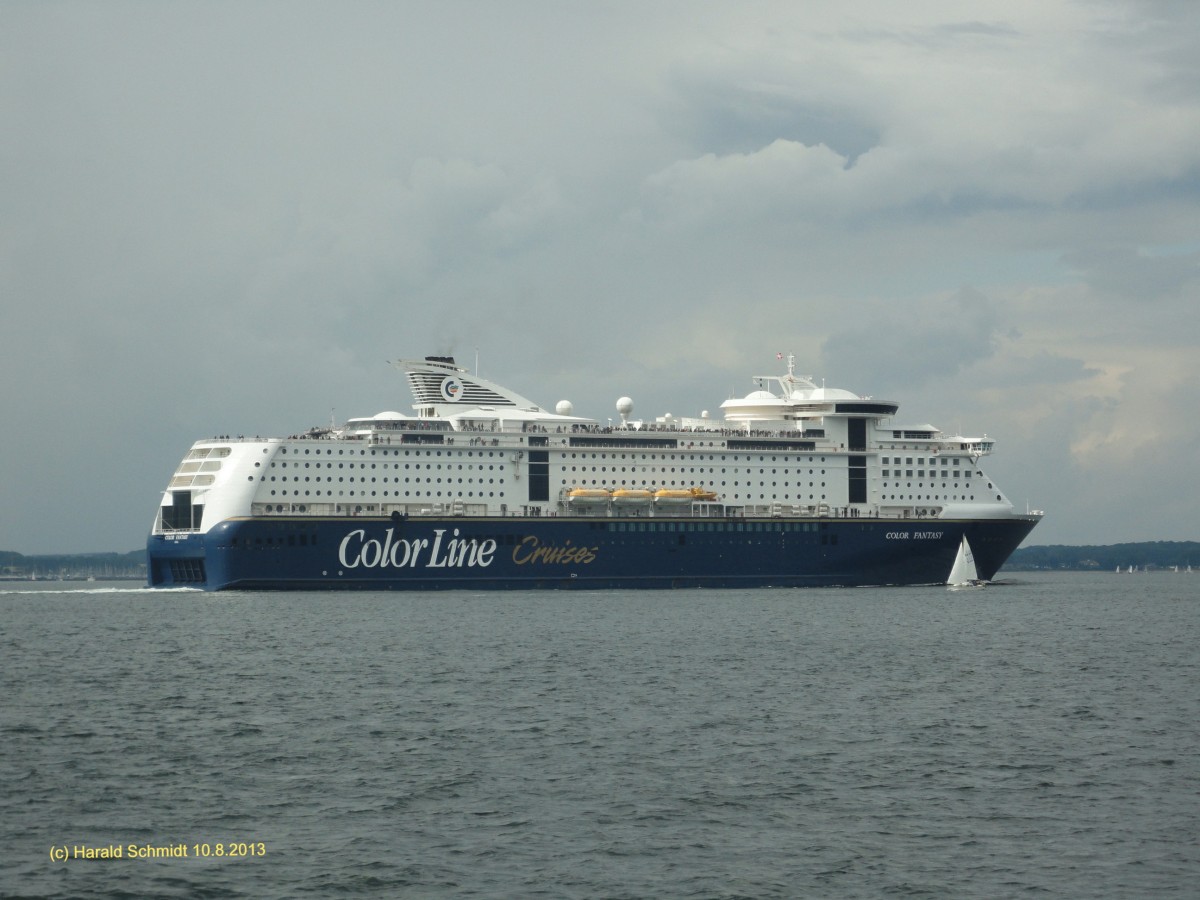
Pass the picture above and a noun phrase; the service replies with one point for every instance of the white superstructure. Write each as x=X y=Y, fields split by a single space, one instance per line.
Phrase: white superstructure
x=473 y=448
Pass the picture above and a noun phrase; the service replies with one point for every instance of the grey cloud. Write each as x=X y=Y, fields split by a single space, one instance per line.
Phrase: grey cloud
x=723 y=118
x=918 y=344
x=1130 y=273
x=1044 y=370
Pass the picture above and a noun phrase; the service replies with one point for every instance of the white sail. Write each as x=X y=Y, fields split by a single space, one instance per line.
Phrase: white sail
x=963 y=573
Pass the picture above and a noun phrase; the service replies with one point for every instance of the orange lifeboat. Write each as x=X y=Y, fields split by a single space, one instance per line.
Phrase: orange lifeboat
x=666 y=496
x=588 y=495
x=633 y=497
x=670 y=495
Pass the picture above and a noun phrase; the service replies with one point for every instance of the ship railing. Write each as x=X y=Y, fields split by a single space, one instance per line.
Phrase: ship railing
x=349 y=510
x=694 y=510
x=457 y=508
x=239 y=439
x=160 y=528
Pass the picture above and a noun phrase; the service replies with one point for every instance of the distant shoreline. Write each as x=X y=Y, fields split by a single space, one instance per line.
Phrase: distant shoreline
x=1143 y=556
x=129 y=566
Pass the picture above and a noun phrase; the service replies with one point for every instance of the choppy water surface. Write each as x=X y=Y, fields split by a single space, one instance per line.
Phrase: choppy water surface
x=1037 y=738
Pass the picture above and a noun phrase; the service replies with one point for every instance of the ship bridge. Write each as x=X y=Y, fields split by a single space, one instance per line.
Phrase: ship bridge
x=796 y=399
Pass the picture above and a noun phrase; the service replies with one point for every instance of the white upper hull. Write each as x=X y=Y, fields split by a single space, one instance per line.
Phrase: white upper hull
x=472 y=447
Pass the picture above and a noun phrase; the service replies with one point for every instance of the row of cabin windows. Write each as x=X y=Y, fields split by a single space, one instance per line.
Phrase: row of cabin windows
x=449 y=494
x=574 y=455
x=920 y=460
x=329 y=465
x=375 y=452
x=933 y=473
x=938 y=497
x=449 y=466
x=999 y=498
x=945 y=460
x=385 y=480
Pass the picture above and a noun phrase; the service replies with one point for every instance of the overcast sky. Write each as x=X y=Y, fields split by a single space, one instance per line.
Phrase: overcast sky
x=227 y=217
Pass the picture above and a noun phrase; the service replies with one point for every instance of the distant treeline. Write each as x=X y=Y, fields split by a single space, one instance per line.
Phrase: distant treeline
x=1145 y=555
x=74 y=565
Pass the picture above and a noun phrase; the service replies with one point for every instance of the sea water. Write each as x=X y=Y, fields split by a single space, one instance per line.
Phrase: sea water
x=1034 y=738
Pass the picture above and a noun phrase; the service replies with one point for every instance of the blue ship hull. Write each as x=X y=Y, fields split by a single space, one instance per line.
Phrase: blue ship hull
x=486 y=553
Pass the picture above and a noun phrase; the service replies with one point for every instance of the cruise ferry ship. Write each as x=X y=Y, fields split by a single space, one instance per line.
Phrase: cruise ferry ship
x=478 y=487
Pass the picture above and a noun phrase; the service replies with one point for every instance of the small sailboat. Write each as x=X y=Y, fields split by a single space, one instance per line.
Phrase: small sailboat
x=964 y=574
